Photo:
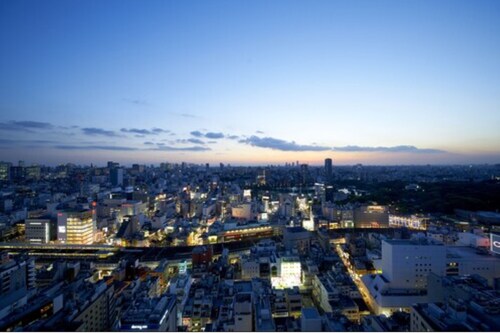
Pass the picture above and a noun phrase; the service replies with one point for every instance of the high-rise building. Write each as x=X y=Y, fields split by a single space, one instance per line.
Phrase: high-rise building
x=16 y=173
x=5 y=171
x=32 y=172
x=76 y=227
x=116 y=176
x=328 y=169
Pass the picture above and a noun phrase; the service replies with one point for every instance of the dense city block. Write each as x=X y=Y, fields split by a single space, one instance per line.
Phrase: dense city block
x=293 y=247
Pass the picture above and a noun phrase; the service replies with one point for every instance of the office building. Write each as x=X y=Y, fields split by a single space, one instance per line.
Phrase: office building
x=116 y=176
x=5 y=171
x=76 y=227
x=328 y=169
x=39 y=230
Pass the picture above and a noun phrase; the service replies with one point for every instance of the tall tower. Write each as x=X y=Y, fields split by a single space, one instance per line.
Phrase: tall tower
x=328 y=169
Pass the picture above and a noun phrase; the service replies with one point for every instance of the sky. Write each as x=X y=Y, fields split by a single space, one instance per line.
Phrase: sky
x=250 y=82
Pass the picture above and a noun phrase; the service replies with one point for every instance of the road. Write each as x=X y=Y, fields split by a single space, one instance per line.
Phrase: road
x=344 y=256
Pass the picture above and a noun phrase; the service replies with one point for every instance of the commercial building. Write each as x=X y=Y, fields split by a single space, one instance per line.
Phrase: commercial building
x=371 y=217
x=76 y=227
x=39 y=230
x=411 y=222
x=405 y=266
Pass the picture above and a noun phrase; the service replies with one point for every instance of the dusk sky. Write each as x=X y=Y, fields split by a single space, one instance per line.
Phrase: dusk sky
x=250 y=82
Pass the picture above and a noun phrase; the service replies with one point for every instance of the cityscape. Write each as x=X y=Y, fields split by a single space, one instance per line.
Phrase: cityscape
x=223 y=166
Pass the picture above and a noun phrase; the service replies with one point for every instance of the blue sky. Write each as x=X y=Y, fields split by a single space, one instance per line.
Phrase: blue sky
x=258 y=82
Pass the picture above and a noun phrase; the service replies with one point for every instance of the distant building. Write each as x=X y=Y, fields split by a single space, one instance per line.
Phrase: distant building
x=39 y=230
x=328 y=169
x=371 y=217
x=116 y=176
x=76 y=227
x=5 y=171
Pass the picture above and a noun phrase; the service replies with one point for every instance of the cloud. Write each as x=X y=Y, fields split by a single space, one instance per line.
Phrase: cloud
x=187 y=115
x=197 y=134
x=74 y=147
x=143 y=131
x=27 y=126
x=159 y=130
x=136 y=101
x=394 y=149
x=148 y=143
x=14 y=143
x=259 y=132
x=279 y=144
x=233 y=137
x=137 y=131
x=184 y=114
x=98 y=131
x=213 y=135
x=192 y=148
x=196 y=141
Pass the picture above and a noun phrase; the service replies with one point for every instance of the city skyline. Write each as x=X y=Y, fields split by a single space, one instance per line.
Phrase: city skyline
x=250 y=83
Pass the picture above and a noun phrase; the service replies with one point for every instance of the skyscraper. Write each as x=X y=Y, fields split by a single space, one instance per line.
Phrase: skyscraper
x=328 y=169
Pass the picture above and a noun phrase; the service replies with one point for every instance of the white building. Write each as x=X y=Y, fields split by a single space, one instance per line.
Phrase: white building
x=289 y=273
x=405 y=266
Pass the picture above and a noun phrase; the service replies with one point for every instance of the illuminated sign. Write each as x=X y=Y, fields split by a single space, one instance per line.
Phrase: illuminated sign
x=495 y=243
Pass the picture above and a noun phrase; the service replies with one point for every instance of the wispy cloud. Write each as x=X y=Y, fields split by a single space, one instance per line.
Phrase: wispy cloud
x=75 y=147
x=159 y=130
x=26 y=126
x=16 y=143
x=136 y=101
x=185 y=115
x=143 y=131
x=196 y=141
x=259 y=132
x=192 y=148
x=98 y=131
x=394 y=149
x=279 y=144
x=233 y=137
